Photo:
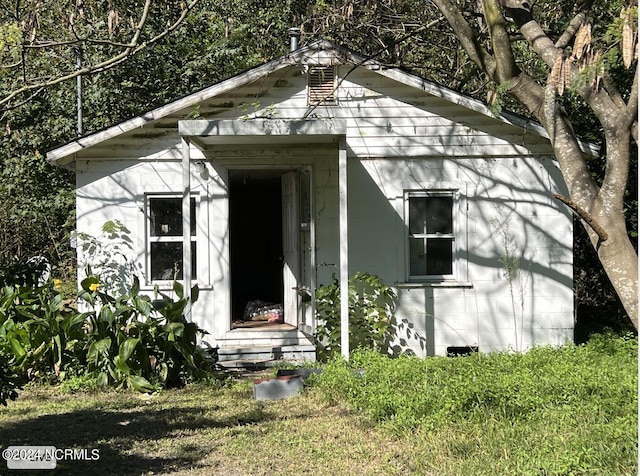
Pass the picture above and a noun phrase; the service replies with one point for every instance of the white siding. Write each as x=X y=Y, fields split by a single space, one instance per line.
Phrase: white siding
x=398 y=138
x=519 y=219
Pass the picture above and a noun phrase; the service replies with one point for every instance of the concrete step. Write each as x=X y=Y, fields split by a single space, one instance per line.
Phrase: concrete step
x=260 y=357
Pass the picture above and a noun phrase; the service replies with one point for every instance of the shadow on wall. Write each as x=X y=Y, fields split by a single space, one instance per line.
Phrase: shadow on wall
x=514 y=249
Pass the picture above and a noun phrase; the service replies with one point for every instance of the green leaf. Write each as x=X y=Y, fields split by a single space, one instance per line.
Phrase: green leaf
x=17 y=349
x=142 y=305
x=176 y=328
x=121 y=365
x=88 y=281
x=178 y=289
x=195 y=293
x=103 y=379
x=135 y=288
x=140 y=384
x=163 y=372
x=127 y=348
x=58 y=347
x=187 y=354
x=97 y=348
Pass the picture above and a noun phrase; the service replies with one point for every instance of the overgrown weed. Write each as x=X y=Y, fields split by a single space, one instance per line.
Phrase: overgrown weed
x=568 y=410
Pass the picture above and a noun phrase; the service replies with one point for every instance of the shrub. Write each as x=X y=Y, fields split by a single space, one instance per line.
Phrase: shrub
x=43 y=334
x=371 y=307
x=133 y=341
x=129 y=341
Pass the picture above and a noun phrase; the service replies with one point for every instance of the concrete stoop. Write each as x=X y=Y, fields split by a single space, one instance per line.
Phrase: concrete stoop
x=262 y=357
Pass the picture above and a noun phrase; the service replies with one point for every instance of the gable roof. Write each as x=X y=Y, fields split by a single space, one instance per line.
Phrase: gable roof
x=309 y=54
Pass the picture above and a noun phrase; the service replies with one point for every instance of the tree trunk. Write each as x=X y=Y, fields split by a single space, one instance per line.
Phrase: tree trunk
x=601 y=204
x=619 y=260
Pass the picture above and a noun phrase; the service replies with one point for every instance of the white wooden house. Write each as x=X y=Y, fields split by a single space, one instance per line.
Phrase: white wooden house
x=323 y=163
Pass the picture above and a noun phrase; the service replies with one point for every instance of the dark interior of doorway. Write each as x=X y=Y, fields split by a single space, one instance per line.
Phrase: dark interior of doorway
x=255 y=240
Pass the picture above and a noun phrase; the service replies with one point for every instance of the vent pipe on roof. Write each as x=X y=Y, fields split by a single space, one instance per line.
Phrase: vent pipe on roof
x=294 y=37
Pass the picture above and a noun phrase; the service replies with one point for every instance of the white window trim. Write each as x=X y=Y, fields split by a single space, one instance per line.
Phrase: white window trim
x=198 y=238
x=459 y=276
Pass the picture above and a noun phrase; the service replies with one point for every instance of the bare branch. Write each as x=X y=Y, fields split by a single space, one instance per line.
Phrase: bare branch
x=131 y=48
x=57 y=44
x=25 y=101
x=506 y=68
x=632 y=104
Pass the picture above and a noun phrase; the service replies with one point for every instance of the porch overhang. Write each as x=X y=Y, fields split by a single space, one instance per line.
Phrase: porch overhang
x=207 y=134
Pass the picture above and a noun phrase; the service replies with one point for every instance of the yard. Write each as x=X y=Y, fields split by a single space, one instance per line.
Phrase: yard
x=568 y=411
x=202 y=430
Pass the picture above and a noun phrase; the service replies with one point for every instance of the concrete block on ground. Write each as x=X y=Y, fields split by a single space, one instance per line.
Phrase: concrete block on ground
x=276 y=388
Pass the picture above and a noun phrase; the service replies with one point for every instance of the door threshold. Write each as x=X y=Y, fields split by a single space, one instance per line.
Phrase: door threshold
x=261 y=326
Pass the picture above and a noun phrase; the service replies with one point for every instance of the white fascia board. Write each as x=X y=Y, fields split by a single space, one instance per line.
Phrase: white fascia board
x=468 y=102
x=64 y=154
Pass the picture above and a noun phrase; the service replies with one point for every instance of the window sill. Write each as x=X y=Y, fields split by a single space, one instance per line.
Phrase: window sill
x=435 y=284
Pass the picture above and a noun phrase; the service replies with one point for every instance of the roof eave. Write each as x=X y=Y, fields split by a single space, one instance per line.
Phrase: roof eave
x=66 y=154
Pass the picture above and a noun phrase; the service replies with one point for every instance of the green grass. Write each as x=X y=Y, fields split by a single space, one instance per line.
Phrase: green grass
x=200 y=430
x=568 y=411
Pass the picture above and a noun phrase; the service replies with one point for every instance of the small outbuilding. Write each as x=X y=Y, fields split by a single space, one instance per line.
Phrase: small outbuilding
x=324 y=163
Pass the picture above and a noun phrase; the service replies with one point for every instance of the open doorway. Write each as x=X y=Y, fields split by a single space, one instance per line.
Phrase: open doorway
x=256 y=248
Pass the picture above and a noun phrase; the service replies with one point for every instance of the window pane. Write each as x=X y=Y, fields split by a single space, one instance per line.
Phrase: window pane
x=166 y=216
x=430 y=215
x=439 y=216
x=439 y=256
x=418 y=215
x=417 y=256
x=166 y=260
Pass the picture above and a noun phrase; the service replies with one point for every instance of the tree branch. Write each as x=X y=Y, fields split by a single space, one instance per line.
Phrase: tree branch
x=584 y=216
x=573 y=27
x=466 y=36
x=506 y=68
x=133 y=47
x=602 y=100
x=632 y=106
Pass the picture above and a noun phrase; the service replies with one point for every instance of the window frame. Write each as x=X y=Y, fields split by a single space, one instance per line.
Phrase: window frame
x=457 y=235
x=149 y=239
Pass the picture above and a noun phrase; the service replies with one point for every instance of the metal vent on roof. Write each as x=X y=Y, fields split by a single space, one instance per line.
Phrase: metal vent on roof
x=322 y=85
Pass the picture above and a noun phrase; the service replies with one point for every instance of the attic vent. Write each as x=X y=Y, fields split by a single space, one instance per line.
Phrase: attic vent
x=322 y=85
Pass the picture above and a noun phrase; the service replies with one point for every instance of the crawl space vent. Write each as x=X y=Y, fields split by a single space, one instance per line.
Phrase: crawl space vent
x=322 y=85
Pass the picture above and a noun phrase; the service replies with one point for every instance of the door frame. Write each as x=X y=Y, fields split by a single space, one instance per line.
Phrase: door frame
x=304 y=319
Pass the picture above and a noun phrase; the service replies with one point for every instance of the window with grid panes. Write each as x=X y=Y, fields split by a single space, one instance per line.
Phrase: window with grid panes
x=432 y=240
x=164 y=237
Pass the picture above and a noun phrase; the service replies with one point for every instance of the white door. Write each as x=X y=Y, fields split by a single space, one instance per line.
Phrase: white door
x=290 y=247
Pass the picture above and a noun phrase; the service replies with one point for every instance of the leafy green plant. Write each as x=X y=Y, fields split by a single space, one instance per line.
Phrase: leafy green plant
x=9 y=379
x=42 y=332
x=140 y=343
x=371 y=307
x=23 y=273
x=108 y=256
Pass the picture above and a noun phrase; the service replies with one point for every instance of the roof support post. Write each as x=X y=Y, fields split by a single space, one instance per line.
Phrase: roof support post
x=344 y=247
x=186 y=224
